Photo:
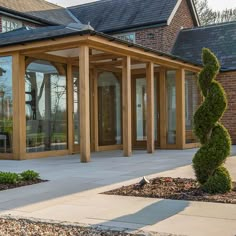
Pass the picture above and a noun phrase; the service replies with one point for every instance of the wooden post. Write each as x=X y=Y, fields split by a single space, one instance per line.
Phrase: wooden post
x=95 y=103
x=150 y=107
x=126 y=106
x=180 y=109
x=19 y=119
x=84 y=104
x=70 y=93
x=162 y=98
x=92 y=113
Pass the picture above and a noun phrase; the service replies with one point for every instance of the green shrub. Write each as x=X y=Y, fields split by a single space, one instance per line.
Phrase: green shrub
x=220 y=182
x=9 y=178
x=29 y=175
x=215 y=139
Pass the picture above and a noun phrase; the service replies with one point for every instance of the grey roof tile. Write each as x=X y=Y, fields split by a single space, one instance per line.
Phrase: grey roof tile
x=114 y=15
x=40 y=9
x=220 y=38
x=25 y=34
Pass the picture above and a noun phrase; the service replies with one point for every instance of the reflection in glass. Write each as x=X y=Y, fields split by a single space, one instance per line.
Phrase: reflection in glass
x=156 y=115
x=141 y=109
x=192 y=101
x=6 y=111
x=171 y=106
x=46 y=106
x=109 y=109
x=75 y=74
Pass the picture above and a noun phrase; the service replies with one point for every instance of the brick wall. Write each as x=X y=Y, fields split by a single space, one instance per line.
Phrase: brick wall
x=228 y=81
x=163 y=38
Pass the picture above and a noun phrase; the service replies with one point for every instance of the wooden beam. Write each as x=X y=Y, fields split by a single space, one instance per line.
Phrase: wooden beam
x=19 y=119
x=108 y=68
x=126 y=107
x=48 y=57
x=163 y=109
x=150 y=107
x=100 y=43
x=84 y=104
x=180 y=109
x=103 y=56
x=108 y=63
x=70 y=111
x=46 y=45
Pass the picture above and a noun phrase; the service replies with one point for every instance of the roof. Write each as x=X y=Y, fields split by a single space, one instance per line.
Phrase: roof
x=117 y=15
x=28 y=35
x=25 y=34
x=220 y=38
x=39 y=10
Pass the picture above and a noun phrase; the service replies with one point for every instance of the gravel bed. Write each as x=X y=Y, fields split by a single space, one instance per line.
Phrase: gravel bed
x=31 y=227
x=176 y=189
x=20 y=184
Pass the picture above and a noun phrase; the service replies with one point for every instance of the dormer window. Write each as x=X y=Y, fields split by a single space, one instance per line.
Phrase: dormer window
x=9 y=24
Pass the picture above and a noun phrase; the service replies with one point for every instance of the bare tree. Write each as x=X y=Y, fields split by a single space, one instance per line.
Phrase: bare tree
x=208 y=16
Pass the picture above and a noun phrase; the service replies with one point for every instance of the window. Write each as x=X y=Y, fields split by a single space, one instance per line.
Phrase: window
x=130 y=37
x=192 y=101
x=6 y=108
x=171 y=106
x=46 y=106
x=9 y=24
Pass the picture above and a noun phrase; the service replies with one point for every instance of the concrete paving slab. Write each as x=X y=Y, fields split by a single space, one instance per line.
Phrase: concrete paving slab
x=195 y=226
x=73 y=194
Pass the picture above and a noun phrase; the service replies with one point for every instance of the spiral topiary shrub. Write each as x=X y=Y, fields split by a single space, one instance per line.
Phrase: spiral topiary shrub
x=216 y=143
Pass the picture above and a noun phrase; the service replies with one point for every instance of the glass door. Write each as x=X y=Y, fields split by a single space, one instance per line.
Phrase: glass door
x=139 y=111
x=76 y=116
x=109 y=109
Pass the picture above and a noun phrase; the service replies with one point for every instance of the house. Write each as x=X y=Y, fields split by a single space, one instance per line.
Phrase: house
x=153 y=24
x=101 y=76
x=221 y=39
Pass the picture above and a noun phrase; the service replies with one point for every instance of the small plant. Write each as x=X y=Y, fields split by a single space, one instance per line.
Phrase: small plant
x=9 y=178
x=29 y=175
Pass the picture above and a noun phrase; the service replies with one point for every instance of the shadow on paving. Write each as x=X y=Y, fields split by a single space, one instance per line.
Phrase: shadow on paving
x=151 y=215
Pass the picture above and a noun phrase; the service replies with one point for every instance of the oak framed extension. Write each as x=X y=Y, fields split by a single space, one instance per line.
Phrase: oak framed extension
x=64 y=84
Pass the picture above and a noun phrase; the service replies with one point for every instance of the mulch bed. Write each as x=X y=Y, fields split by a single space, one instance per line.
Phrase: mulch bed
x=176 y=189
x=25 y=227
x=20 y=184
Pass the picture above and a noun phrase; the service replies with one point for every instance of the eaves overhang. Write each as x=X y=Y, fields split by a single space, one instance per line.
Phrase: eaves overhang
x=89 y=32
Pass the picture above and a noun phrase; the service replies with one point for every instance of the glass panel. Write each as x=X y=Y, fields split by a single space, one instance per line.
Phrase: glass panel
x=156 y=117
x=9 y=24
x=6 y=108
x=76 y=105
x=141 y=109
x=130 y=37
x=46 y=107
x=109 y=109
x=171 y=106
x=192 y=101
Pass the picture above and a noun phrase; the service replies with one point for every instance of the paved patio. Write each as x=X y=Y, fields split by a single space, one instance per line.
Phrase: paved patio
x=73 y=194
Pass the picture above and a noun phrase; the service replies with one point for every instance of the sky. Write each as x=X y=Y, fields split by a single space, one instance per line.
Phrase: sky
x=215 y=4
